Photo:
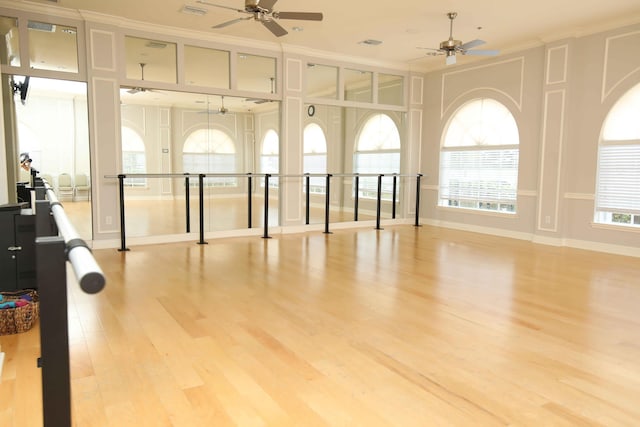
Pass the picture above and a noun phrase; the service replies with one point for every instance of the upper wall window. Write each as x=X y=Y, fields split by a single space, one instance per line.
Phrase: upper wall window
x=390 y=89
x=479 y=158
x=322 y=81
x=358 y=85
x=151 y=60
x=618 y=178
x=206 y=67
x=255 y=73
x=53 y=47
x=11 y=48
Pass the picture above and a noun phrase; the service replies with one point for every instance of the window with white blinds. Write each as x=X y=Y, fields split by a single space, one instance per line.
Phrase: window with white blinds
x=618 y=178
x=480 y=157
x=315 y=157
x=377 y=152
x=210 y=151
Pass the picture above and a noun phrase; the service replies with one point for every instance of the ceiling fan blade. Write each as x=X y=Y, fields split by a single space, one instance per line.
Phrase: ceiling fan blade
x=481 y=52
x=303 y=16
x=472 y=44
x=451 y=59
x=233 y=21
x=219 y=5
x=133 y=90
x=274 y=27
x=267 y=4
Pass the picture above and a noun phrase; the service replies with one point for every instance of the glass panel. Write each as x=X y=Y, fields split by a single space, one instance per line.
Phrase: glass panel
x=10 y=49
x=357 y=85
x=390 y=89
x=622 y=122
x=322 y=81
x=53 y=47
x=151 y=60
x=206 y=67
x=256 y=73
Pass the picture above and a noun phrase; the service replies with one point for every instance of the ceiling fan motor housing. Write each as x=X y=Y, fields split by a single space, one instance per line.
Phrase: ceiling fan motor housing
x=450 y=44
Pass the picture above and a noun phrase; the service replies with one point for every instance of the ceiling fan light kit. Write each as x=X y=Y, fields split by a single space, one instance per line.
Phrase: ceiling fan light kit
x=451 y=46
x=262 y=11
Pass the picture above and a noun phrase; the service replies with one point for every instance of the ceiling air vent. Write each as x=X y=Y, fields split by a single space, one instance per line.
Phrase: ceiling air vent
x=41 y=26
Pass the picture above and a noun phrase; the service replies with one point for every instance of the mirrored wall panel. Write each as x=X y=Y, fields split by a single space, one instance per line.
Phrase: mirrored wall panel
x=206 y=67
x=322 y=81
x=10 y=49
x=150 y=60
x=358 y=85
x=256 y=73
x=168 y=133
x=53 y=47
x=390 y=89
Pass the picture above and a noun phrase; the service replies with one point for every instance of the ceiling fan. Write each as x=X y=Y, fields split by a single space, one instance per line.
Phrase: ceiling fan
x=138 y=89
x=262 y=11
x=451 y=46
x=222 y=110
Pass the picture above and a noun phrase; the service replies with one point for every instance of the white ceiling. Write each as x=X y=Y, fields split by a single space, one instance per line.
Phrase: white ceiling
x=402 y=26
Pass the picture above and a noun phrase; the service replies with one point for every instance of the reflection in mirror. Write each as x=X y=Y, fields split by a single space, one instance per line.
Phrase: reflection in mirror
x=357 y=140
x=150 y=60
x=322 y=81
x=166 y=132
x=10 y=49
x=358 y=85
x=53 y=127
x=390 y=89
x=206 y=67
x=53 y=47
x=256 y=73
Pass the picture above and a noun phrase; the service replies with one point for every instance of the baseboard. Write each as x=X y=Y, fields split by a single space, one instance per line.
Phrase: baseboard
x=542 y=240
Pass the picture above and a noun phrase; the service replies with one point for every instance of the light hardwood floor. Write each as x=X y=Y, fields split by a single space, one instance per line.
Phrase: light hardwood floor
x=400 y=327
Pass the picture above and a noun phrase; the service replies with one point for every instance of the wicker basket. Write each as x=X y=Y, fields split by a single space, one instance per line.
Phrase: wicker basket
x=19 y=319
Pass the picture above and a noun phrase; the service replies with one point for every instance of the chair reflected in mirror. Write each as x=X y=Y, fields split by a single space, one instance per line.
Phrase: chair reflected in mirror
x=82 y=187
x=65 y=187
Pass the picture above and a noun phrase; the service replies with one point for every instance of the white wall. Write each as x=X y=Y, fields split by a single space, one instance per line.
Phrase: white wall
x=559 y=95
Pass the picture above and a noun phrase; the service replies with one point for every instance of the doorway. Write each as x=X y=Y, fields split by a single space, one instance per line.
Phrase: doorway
x=52 y=126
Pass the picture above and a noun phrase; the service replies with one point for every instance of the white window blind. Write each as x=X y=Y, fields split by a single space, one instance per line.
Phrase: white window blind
x=619 y=178
x=487 y=176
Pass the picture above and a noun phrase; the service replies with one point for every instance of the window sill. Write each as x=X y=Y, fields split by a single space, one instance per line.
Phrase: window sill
x=615 y=227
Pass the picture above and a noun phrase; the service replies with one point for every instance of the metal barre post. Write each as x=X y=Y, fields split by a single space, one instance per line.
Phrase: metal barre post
x=393 y=197
x=327 y=204
x=249 y=201
x=308 y=185
x=379 y=202
x=201 y=208
x=356 y=198
x=123 y=233
x=187 y=202
x=266 y=207
x=417 y=223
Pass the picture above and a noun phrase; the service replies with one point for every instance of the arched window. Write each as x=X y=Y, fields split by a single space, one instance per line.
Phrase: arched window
x=479 y=158
x=269 y=158
x=377 y=151
x=134 y=159
x=315 y=157
x=210 y=151
x=618 y=179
